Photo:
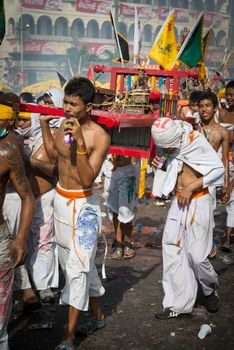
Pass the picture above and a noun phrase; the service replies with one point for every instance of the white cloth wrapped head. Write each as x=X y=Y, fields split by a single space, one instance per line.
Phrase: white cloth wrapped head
x=167 y=133
x=56 y=96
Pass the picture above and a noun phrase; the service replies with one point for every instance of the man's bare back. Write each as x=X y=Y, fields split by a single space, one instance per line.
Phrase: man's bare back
x=11 y=164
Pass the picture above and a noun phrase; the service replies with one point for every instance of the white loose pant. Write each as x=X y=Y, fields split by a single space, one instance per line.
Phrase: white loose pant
x=121 y=197
x=230 y=211
x=187 y=263
x=11 y=212
x=6 y=282
x=42 y=261
x=77 y=242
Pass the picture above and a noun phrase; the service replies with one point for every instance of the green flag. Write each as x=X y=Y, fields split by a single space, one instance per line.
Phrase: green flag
x=2 y=21
x=191 y=52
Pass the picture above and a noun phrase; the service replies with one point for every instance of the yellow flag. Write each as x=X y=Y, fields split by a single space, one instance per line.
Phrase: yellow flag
x=164 y=50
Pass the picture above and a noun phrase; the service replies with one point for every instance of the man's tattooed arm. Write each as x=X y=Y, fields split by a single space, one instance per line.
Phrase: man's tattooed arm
x=21 y=184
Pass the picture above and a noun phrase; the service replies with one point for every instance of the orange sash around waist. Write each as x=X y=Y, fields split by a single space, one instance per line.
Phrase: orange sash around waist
x=74 y=194
x=197 y=194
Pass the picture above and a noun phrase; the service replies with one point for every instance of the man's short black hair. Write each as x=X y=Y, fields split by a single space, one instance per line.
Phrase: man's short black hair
x=230 y=84
x=9 y=99
x=194 y=96
x=40 y=98
x=27 y=97
x=209 y=95
x=81 y=87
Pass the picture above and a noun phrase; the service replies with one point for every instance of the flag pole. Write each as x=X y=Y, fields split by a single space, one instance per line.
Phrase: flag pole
x=79 y=67
x=137 y=39
x=70 y=67
x=117 y=39
x=212 y=25
x=187 y=39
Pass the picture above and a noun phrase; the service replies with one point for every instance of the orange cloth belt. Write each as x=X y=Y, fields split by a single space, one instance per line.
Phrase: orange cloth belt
x=197 y=194
x=74 y=194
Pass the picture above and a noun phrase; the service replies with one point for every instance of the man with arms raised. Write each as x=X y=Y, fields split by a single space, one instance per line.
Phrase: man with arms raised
x=77 y=212
x=12 y=253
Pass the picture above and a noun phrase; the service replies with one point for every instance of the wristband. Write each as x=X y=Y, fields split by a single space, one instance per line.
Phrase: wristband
x=82 y=154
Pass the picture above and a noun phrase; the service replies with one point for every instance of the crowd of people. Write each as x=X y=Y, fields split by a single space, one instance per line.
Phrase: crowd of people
x=50 y=214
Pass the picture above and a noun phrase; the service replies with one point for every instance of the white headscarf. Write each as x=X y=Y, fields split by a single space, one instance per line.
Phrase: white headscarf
x=192 y=149
x=32 y=130
x=166 y=133
x=32 y=136
x=56 y=96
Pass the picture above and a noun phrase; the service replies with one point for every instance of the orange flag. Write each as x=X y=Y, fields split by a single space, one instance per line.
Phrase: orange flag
x=90 y=73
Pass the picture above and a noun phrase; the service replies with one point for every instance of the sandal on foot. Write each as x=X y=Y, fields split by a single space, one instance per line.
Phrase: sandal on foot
x=118 y=253
x=89 y=326
x=226 y=248
x=65 y=345
x=213 y=252
x=129 y=251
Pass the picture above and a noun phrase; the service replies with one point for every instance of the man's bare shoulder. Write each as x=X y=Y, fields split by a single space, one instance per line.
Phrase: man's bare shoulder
x=99 y=131
x=220 y=131
x=8 y=146
x=10 y=155
x=223 y=130
x=226 y=116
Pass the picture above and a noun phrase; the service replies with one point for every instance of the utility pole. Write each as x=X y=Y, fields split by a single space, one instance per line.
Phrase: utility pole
x=21 y=41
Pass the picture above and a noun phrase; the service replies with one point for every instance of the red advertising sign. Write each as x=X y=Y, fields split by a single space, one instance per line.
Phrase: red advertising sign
x=53 y=48
x=181 y=15
x=42 y=4
x=93 y=6
x=99 y=49
x=129 y=11
x=44 y=47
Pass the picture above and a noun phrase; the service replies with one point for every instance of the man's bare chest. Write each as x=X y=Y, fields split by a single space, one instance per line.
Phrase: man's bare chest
x=67 y=150
x=213 y=136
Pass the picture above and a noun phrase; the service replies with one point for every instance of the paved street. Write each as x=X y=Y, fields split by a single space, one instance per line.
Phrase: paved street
x=133 y=295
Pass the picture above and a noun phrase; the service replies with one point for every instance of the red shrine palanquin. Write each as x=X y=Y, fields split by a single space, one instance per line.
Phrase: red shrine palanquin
x=126 y=110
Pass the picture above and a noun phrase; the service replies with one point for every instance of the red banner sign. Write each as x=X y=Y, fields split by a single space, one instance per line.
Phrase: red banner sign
x=44 y=47
x=181 y=15
x=54 y=47
x=93 y=6
x=99 y=49
x=129 y=11
x=42 y=4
